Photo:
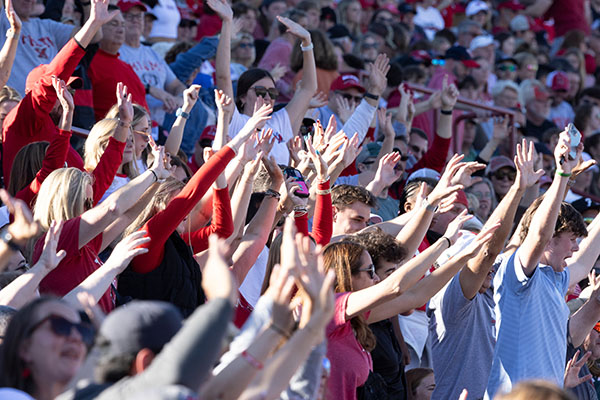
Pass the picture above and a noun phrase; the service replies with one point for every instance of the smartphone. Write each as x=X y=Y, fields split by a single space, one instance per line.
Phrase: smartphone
x=298 y=180
x=575 y=136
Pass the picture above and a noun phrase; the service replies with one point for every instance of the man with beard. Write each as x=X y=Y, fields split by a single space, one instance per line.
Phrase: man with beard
x=35 y=118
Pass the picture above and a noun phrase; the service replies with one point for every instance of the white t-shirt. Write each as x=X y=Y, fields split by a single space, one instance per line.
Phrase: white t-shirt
x=168 y=20
x=40 y=42
x=282 y=131
x=252 y=284
x=152 y=70
x=118 y=182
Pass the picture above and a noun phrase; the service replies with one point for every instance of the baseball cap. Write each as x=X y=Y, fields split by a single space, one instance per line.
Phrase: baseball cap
x=139 y=325
x=424 y=173
x=208 y=133
x=391 y=8
x=370 y=150
x=585 y=203
x=481 y=41
x=519 y=23
x=346 y=81
x=585 y=156
x=338 y=31
x=126 y=5
x=328 y=14
x=540 y=93
x=500 y=162
x=511 y=5
x=475 y=7
x=40 y=71
x=406 y=8
x=459 y=53
x=462 y=198
x=558 y=80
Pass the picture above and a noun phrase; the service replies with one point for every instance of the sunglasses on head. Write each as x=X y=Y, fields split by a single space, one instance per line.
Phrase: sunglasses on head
x=63 y=327
x=262 y=92
x=349 y=97
x=500 y=175
x=370 y=270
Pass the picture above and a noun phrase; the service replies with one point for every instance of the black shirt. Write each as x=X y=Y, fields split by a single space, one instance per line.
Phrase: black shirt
x=388 y=360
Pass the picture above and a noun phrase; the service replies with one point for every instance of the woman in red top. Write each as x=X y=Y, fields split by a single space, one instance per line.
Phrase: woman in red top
x=169 y=271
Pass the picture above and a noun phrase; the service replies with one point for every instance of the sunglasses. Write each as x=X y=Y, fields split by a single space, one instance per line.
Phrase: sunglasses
x=246 y=45
x=370 y=269
x=532 y=67
x=403 y=157
x=349 y=97
x=507 y=67
x=437 y=61
x=367 y=46
x=63 y=327
x=500 y=175
x=262 y=92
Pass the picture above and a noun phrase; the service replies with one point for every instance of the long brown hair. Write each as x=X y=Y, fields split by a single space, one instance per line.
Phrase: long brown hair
x=26 y=165
x=344 y=257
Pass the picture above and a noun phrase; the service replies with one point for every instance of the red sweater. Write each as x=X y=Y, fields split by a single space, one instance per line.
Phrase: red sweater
x=107 y=167
x=323 y=221
x=30 y=121
x=55 y=158
x=222 y=222
x=106 y=70
x=164 y=223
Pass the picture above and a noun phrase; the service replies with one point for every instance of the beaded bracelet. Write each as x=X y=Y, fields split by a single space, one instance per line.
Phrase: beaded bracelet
x=251 y=360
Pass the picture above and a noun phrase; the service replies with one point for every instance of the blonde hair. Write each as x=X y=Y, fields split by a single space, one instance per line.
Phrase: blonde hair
x=8 y=93
x=159 y=202
x=61 y=196
x=96 y=143
x=139 y=112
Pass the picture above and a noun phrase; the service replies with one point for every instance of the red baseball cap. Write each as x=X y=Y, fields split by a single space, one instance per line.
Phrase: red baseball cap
x=208 y=133
x=126 y=5
x=39 y=72
x=540 y=94
x=462 y=198
x=511 y=5
x=347 y=81
x=558 y=80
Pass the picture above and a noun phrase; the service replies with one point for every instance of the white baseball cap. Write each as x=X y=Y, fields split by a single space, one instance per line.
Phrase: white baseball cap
x=475 y=7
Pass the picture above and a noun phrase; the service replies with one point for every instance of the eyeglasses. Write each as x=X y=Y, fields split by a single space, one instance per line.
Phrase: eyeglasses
x=370 y=269
x=367 y=46
x=63 y=327
x=501 y=175
x=246 y=45
x=145 y=134
x=403 y=157
x=262 y=92
x=438 y=61
x=531 y=67
x=88 y=204
x=132 y=17
x=507 y=67
x=349 y=97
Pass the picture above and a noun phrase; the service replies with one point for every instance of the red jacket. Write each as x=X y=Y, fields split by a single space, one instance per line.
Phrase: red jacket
x=30 y=121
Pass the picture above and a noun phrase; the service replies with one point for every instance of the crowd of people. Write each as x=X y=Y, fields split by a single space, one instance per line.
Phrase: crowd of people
x=300 y=199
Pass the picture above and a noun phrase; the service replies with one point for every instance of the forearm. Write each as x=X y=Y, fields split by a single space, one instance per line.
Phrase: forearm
x=223 y=59
x=584 y=259
x=412 y=234
x=173 y=141
x=239 y=204
x=413 y=270
x=360 y=120
x=582 y=322
x=234 y=378
x=233 y=171
x=222 y=130
x=531 y=193
x=444 y=127
x=7 y=55
x=376 y=186
x=394 y=226
x=87 y=32
x=96 y=284
x=24 y=288
x=488 y=150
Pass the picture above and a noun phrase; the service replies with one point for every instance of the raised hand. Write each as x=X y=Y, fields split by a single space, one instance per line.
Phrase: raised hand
x=289 y=200
x=278 y=71
x=572 y=378
x=124 y=103
x=318 y=161
x=223 y=102
x=49 y=258
x=260 y=117
x=190 y=97
x=274 y=172
x=13 y=18
x=449 y=94
x=127 y=249
x=216 y=270
x=344 y=108
x=295 y=29
x=561 y=154
x=524 y=160
x=319 y=100
x=23 y=227
x=294 y=146
x=63 y=94
x=159 y=166
x=221 y=8
x=582 y=166
x=500 y=130
x=454 y=227
x=266 y=140
x=331 y=129
x=464 y=175
x=377 y=74
x=352 y=150
x=445 y=187
x=99 y=13
x=386 y=170
x=482 y=238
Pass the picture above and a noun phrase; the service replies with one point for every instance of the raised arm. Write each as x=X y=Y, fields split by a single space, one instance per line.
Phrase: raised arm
x=472 y=277
x=583 y=321
x=9 y=50
x=541 y=228
x=223 y=57
x=190 y=96
x=584 y=259
x=297 y=107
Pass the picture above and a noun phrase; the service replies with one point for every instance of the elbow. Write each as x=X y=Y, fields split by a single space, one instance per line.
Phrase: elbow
x=225 y=231
x=114 y=207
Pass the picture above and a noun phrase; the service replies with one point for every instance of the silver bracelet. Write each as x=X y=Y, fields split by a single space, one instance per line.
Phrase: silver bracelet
x=307 y=48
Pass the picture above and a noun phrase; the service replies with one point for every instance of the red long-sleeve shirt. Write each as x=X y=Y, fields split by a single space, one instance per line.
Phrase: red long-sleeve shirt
x=56 y=156
x=30 y=120
x=222 y=222
x=107 y=167
x=164 y=223
x=323 y=219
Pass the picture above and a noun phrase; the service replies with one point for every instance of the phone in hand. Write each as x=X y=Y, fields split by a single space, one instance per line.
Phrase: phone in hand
x=298 y=180
x=575 y=136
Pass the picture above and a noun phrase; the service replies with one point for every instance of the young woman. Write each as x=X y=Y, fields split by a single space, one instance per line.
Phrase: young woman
x=169 y=271
x=256 y=83
x=359 y=301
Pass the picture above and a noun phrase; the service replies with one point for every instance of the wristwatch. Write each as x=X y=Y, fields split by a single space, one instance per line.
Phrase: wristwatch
x=371 y=96
x=147 y=87
x=7 y=238
x=181 y=113
x=272 y=193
